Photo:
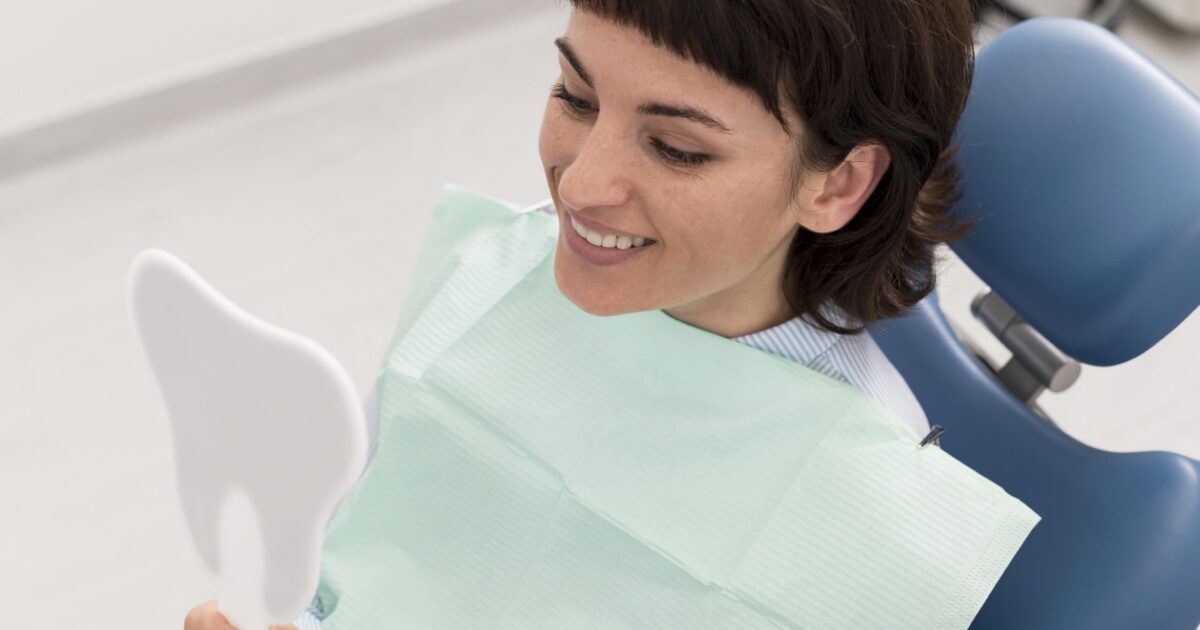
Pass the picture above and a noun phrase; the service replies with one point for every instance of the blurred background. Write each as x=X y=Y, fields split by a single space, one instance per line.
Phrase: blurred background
x=291 y=152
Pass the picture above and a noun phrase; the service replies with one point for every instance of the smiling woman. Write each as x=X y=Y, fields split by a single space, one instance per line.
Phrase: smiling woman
x=789 y=158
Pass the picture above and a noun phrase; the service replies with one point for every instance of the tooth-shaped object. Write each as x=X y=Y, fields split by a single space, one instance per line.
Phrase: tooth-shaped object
x=268 y=436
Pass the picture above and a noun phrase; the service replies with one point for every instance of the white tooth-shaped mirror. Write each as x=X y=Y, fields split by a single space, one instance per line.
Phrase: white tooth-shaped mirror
x=268 y=436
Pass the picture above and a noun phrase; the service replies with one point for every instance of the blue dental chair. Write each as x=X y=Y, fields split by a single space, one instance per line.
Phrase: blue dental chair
x=1083 y=159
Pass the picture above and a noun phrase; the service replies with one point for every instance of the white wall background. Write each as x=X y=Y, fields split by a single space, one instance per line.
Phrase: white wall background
x=63 y=57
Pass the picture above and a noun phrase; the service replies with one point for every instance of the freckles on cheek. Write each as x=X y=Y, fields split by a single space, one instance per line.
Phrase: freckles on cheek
x=550 y=151
x=559 y=138
x=549 y=143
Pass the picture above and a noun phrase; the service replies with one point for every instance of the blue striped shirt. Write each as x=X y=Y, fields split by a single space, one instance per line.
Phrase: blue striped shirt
x=853 y=359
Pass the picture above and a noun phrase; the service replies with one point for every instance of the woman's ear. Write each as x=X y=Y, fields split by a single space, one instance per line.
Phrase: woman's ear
x=845 y=189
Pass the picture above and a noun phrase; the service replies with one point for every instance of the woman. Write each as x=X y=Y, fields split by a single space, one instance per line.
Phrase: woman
x=776 y=172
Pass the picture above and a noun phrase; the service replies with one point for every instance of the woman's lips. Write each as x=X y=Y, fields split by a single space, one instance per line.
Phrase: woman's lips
x=594 y=253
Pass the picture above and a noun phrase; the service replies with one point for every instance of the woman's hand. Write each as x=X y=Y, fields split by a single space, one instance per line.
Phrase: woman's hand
x=207 y=617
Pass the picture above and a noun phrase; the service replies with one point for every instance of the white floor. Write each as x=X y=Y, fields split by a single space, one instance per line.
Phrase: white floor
x=307 y=209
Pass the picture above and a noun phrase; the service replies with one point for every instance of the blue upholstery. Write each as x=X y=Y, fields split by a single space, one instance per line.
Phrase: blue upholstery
x=1084 y=159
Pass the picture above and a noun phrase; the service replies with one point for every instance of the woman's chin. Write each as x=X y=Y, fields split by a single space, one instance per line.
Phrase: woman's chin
x=584 y=294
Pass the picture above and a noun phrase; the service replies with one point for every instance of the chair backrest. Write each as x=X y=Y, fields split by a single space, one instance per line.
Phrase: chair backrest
x=1083 y=158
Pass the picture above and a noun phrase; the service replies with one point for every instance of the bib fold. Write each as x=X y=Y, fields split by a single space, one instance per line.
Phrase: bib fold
x=541 y=467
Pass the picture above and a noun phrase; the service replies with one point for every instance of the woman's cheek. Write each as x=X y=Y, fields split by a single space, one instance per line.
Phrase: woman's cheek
x=557 y=138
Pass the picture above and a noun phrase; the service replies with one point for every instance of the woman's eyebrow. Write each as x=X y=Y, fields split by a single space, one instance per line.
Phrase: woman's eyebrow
x=694 y=114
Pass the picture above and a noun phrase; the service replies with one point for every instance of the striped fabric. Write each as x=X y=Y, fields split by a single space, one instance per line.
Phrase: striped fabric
x=853 y=359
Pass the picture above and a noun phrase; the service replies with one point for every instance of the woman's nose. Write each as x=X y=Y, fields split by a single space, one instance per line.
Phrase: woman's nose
x=599 y=174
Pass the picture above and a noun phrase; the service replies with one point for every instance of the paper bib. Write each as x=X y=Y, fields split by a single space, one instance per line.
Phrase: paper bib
x=543 y=468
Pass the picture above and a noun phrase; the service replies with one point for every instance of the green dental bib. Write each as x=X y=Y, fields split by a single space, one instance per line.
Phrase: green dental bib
x=539 y=467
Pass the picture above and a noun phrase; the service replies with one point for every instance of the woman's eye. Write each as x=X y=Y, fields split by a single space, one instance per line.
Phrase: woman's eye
x=577 y=105
x=580 y=107
x=682 y=158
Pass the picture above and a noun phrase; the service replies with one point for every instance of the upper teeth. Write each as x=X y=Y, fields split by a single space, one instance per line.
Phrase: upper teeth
x=608 y=240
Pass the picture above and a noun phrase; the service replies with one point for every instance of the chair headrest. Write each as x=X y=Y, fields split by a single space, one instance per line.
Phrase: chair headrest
x=1082 y=157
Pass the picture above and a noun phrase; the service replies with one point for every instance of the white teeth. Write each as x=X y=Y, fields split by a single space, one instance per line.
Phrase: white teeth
x=608 y=240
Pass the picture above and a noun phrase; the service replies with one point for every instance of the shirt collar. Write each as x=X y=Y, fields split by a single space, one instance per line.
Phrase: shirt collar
x=799 y=338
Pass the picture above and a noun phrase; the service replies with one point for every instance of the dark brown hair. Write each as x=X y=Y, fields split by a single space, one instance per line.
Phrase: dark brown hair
x=893 y=72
